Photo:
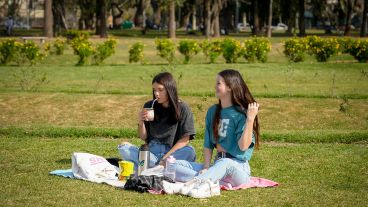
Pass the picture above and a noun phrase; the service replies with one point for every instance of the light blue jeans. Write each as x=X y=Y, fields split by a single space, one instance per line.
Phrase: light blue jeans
x=228 y=170
x=157 y=150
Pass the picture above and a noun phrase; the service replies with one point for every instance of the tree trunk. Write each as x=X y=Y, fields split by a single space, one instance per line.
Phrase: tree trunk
x=216 y=26
x=48 y=19
x=157 y=15
x=116 y=15
x=172 y=32
x=255 y=30
x=138 y=18
x=98 y=17
x=363 y=28
x=185 y=20
x=216 y=18
x=227 y=20
x=101 y=18
x=13 y=8
x=207 y=18
x=348 y=18
x=194 y=19
x=269 y=29
x=301 y=18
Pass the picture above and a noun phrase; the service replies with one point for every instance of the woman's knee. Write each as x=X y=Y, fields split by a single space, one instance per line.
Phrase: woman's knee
x=126 y=149
x=190 y=151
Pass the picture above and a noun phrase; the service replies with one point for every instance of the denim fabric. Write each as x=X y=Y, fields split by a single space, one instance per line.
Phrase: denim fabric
x=228 y=170
x=157 y=150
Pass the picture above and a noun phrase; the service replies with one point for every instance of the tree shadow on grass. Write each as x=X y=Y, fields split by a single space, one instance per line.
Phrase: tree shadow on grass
x=64 y=161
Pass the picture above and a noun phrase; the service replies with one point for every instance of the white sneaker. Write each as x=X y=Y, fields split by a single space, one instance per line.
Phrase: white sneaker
x=172 y=188
x=205 y=190
x=188 y=186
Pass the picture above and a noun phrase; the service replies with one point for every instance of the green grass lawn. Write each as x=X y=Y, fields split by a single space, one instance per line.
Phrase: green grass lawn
x=265 y=80
x=313 y=116
x=309 y=175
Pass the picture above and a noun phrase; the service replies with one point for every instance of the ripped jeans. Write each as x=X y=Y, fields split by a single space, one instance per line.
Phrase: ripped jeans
x=229 y=170
x=157 y=150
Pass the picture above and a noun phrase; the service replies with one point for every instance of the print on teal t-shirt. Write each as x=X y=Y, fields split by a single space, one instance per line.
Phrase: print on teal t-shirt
x=231 y=127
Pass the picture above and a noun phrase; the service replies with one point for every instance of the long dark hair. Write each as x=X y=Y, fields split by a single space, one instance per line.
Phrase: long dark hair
x=168 y=81
x=240 y=97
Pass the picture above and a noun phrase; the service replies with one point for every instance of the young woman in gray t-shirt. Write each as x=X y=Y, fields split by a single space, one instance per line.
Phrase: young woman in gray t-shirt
x=169 y=131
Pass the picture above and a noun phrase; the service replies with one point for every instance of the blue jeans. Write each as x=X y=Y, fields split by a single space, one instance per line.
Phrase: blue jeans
x=157 y=150
x=228 y=170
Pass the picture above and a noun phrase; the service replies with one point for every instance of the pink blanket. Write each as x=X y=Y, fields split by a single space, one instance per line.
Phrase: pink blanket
x=255 y=182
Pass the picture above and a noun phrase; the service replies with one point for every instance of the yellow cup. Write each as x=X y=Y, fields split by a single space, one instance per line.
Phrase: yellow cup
x=126 y=169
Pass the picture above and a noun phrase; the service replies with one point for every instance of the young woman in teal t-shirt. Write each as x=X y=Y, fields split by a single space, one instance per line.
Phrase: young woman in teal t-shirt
x=232 y=128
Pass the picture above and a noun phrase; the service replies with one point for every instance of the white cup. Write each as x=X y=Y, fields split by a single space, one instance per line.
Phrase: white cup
x=150 y=114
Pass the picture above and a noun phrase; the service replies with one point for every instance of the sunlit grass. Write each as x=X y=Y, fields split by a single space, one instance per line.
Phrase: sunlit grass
x=309 y=174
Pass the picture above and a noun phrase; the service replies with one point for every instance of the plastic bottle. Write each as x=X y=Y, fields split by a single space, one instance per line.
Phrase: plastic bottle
x=170 y=167
x=144 y=158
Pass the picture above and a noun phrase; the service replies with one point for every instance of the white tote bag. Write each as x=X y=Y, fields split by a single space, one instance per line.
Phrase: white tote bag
x=92 y=167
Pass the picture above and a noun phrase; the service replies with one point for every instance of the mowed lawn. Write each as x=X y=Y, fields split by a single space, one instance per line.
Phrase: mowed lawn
x=309 y=175
x=314 y=126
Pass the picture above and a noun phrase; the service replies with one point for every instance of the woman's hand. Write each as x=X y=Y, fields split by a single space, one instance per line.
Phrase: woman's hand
x=203 y=170
x=142 y=115
x=252 y=111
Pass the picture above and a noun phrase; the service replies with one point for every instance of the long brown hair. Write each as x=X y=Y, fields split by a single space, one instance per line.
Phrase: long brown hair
x=240 y=97
x=168 y=81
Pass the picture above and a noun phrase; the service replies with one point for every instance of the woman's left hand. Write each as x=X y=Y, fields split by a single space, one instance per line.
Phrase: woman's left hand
x=203 y=170
x=252 y=110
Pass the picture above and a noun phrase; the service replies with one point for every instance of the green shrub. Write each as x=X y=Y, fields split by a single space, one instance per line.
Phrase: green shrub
x=104 y=51
x=165 y=49
x=83 y=48
x=256 y=48
x=71 y=34
x=9 y=49
x=322 y=49
x=211 y=49
x=359 y=50
x=295 y=49
x=231 y=50
x=31 y=52
x=136 y=52
x=59 y=46
x=188 y=48
x=345 y=44
x=205 y=46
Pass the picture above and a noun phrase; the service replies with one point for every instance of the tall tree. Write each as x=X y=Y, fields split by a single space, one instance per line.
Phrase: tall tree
x=48 y=19
x=207 y=18
x=101 y=23
x=301 y=18
x=88 y=10
x=255 y=12
x=288 y=11
x=14 y=6
x=58 y=12
x=349 y=13
x=269 y=29
x=216 y=9
x=172 y=24
x=116 y=12
x=157 y=9
x=363 y=27
x=140 y=14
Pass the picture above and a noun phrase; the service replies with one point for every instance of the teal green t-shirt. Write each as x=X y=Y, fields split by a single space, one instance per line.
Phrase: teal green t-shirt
x=231 y=128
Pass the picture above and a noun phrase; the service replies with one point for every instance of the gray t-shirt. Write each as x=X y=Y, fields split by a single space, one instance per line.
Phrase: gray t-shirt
x=164 y=129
